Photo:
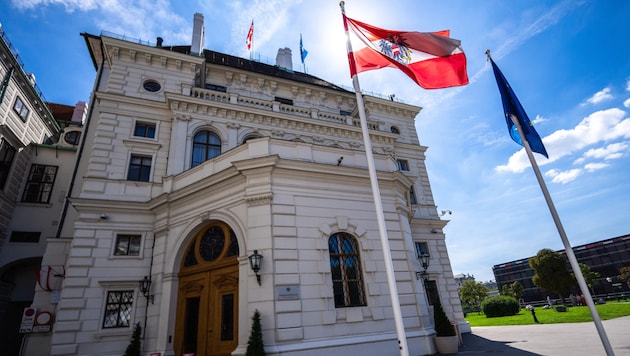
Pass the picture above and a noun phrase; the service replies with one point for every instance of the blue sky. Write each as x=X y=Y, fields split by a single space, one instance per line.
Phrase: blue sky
x=567 y=61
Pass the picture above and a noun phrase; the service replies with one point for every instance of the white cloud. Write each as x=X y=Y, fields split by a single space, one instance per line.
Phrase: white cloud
x=538 y=120
x=565 y=176
x=600 y=126
x=592 y=167
x=600 y=96
x=612 y=151
x=628 y=84
x=70 y=5
x=627 y=103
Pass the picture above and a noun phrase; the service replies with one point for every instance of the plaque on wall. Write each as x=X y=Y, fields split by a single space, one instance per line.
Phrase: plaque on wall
x=288 y=292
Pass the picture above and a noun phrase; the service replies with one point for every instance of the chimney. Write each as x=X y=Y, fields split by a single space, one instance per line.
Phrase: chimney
x=198 y=33
x=283 y=59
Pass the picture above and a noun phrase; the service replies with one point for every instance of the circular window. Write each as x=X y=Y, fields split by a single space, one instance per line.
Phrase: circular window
x=152 y=86
x=72 y=137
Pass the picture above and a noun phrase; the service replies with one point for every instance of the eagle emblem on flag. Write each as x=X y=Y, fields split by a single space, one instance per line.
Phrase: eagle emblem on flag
x=393 y=49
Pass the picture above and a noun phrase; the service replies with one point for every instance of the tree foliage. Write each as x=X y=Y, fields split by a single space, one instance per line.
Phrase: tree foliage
x=134 y=348
x=473 y=293
x=551 y=272
x=624 y=274
x=443 y=326
x=590 y=277
x=512 y=290
x=255 y=346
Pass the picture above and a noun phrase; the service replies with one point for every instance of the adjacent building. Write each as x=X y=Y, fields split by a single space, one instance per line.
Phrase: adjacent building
x=191 y=165
x=32 y=187
x=605 y=257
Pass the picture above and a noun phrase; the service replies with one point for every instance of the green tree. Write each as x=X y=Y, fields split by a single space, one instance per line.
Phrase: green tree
x=134 y=348
x=517 y=289
x=624 y=274
x=551 y=272
x=590 y=277
x=255 y=346
x=472 y=293
x=512 y=290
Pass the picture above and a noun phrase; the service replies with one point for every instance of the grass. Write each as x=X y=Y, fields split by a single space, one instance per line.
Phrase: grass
x=606 y=311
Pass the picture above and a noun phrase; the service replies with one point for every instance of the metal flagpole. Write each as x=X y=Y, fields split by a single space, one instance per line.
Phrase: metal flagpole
x=567 y=247
x=387 y=255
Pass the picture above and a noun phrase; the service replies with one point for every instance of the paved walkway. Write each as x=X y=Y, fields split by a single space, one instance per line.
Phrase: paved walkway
x=575 y=339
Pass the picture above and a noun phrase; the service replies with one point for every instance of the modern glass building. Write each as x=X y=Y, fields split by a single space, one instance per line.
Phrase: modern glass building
x=605 y=257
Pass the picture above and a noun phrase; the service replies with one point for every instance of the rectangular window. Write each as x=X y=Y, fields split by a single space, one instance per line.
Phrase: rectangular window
x=432 y=292
x=139 y=168
x=403 y=165
x=20 y=108
x=25 y=236
x=283 y=100
x=144 y=129
x=422 y=248
x=118 y=309
x=412 y=196
x=127 y=245
x=7 y=152
x=216 y=87
x=39 y=184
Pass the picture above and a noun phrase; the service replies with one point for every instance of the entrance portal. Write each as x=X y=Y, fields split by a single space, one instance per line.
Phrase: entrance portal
x=207 y=303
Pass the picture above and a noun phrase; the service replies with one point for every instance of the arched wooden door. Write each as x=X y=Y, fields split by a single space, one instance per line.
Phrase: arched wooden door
x=207 y=302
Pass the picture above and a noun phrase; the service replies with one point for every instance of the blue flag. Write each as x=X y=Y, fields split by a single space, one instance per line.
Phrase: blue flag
x=511 y=106
x=303 y=52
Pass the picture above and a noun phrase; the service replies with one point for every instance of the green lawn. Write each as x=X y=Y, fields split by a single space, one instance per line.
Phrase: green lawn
x=606 y=311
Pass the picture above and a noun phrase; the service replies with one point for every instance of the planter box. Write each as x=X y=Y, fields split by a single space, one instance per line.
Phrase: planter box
x=447 y=344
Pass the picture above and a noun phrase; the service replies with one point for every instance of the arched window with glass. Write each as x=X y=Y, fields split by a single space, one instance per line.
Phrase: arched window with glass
x=345 y=268
x=206 y=145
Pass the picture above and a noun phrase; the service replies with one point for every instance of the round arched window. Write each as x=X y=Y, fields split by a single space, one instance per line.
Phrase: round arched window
x=151 y=85
x=72 y=137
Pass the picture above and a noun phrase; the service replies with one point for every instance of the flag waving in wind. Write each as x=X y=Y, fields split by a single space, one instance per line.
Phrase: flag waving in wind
x=303 y=52
x=512 y=108
x=431 y=59
x=250 y=36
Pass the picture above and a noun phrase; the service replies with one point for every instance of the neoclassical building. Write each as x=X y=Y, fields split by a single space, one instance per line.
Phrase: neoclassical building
x=193 y=161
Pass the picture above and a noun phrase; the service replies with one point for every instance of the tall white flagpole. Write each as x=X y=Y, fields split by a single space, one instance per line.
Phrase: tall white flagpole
x=567 y=247
x=387 y=255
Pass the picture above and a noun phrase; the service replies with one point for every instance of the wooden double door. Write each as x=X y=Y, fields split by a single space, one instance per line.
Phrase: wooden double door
x=207 y=303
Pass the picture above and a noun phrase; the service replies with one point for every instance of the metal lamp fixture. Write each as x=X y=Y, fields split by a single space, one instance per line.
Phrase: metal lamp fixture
x=255 y=260
x=424 y=262
x=145 y=288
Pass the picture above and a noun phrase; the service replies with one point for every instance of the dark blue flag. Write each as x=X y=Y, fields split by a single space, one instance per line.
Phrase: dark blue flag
x=511 y=106
x=303 y=52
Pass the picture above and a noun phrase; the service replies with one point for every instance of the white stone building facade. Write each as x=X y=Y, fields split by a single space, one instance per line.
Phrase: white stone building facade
x=191 y=163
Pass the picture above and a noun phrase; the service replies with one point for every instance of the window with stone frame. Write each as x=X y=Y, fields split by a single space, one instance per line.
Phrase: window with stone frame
x=139 y=168
x=118 y=309
x=127 y=245
x=144 y=129
x=345 y=268
x=206 y=145
x=39 y=184
x=21 y=109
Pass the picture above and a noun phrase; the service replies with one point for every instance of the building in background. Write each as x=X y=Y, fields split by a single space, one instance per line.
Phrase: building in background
x=34 y=173
x=605 y=257
x=193 y=165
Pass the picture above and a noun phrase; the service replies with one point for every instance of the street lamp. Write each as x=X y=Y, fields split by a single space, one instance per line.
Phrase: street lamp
x=255 y=260
x=424 y=262
x=145 y=288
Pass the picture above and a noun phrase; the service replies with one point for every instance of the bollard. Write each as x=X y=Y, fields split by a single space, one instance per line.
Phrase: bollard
x=531 y=309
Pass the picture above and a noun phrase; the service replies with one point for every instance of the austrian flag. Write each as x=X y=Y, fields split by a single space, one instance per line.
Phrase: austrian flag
x=431 y=59
x=250 y=36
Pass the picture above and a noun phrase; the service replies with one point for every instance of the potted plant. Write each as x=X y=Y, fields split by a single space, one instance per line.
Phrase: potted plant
x=446 y=341
x=134 y=347
x=255 y=346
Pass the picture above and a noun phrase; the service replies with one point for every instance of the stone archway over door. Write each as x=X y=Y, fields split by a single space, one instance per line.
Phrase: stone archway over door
x=207 y=302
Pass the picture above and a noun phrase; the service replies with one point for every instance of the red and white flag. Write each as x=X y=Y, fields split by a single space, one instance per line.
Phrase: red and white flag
x=250 y=36
x=431 y=59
